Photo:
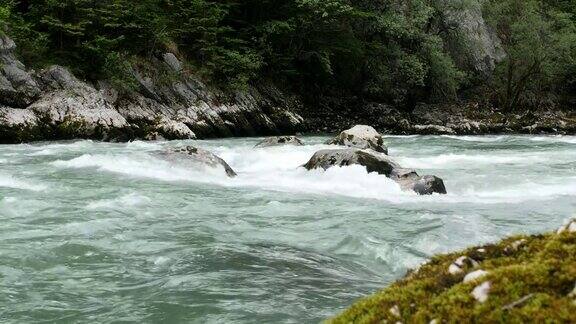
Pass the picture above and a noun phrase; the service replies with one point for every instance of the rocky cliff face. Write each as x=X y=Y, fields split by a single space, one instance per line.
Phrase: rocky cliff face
x=472 y=42
x=54 y=104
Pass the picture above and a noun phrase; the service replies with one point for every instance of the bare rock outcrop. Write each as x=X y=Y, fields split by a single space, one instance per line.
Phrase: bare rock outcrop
x=168 y=103
x=468 y=28
x=195 y=157
x=361 y=137
x=380 y=163
x=17 y=87
x=280 y=141
x=71 y=103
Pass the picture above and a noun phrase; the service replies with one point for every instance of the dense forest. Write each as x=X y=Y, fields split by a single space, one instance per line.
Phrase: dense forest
x=390 y=51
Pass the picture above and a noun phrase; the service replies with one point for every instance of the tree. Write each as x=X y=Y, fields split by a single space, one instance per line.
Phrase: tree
x=540 y=44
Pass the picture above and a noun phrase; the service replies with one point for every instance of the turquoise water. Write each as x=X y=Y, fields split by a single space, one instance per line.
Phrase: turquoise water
x=101 y=232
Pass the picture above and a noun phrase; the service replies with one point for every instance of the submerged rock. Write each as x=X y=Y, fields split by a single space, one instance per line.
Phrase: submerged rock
x=380 y=163
x=280 y=141
x=362 y=137
x=198 y=156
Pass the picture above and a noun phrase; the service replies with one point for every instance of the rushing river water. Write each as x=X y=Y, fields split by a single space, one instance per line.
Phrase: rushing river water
x=100 y=232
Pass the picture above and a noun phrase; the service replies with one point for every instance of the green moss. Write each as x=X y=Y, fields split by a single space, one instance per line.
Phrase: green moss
x=70 y=128
x=19 y=134
x=531 y=280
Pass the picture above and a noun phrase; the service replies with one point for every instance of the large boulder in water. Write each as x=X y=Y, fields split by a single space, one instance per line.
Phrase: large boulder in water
x=380 y=163
x=361 y=137
x=198 y=156
x=326 y=159
x=280 y=141
x=409 y=179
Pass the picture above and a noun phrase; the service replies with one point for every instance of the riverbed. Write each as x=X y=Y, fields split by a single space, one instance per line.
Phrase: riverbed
x=108 y=232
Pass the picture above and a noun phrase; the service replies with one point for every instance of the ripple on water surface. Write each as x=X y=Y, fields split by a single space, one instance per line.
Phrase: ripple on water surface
x=104 y=232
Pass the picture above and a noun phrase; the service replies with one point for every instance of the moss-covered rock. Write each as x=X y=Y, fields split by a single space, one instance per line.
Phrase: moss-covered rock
x=523 y=279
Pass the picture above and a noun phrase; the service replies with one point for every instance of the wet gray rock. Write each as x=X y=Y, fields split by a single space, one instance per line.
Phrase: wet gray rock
x=197 y=157
x=362 y=137
x=429 y=184
x=280 y=141
x=423 y=185
x=380 y=163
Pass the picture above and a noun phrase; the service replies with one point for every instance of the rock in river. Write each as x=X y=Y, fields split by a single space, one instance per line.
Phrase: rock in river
x=280 y=141
x=362 y=137
x=198 y=156
x=380 y=163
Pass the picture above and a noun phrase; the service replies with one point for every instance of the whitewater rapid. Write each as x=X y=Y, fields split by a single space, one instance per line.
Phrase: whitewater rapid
x=105 y=231
x=279 y=169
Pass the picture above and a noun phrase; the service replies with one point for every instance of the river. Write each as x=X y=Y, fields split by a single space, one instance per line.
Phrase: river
x=106 y=232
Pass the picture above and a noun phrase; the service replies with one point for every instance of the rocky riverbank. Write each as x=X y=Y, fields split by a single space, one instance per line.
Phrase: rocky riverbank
x=464 y=118
x=167 y=103
x=519 y=280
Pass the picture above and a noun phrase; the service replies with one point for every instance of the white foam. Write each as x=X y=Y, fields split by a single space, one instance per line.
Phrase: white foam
x=278 y=169
x=445 y=161
x=44 y=152
x=57 y=148
x=8 y=181
x=555 y=139
x=143 y=166
x=143 y=145
x=129 y=200
x=272 y=169
x=485 y=139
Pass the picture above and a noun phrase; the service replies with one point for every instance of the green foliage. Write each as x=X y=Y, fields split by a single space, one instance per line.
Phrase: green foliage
x=4 y=15
x=531 y=277
x=389 y=51
x=540 y=43
x=380 y=50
